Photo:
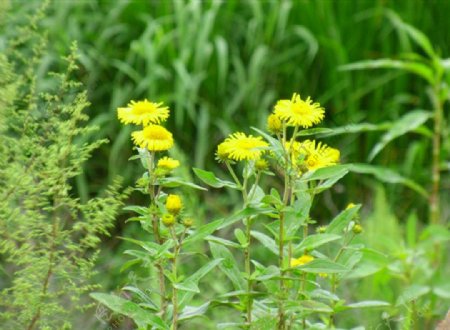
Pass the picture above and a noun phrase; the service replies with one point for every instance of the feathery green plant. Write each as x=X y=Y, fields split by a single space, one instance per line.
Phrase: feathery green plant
x=48 y=238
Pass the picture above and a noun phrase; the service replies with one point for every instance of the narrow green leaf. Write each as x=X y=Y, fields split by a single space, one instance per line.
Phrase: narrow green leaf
x=249 y=211
x=128 y=308
x=417 y=68
x=322 y=266
x=314 y=241
x=190 y=312
x=387 y=175
x=172 y=182
x=266 y=241
x=412 y=293
x=368 y=304
x=342 y=220
x=210 y=179
x=405 y=124
x=228 y=265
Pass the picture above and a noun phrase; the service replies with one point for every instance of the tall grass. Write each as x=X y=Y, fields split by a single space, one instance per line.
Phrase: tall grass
x=222 y=63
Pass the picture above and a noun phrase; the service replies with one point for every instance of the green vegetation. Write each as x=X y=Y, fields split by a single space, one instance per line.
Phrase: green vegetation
x=380 y=69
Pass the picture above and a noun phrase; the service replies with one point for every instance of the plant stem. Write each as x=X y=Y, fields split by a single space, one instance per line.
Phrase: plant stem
x=177 y=249
x=156 y=234
x=435 y=178
x=333 y=277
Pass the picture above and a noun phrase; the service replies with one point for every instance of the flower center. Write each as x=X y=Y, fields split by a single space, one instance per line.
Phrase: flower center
x=142 y=107
x=156 y=133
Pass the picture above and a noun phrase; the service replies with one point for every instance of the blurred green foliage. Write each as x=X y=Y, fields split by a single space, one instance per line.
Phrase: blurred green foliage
x=221 y=65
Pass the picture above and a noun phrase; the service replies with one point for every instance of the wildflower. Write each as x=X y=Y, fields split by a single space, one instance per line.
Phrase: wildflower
x=319 y=155
x=274 y=124
x=239 y=146
x=143 y=112
x=173 y=204
x=298 y=112
x=357 y=229
x=261 y=165
x=168 y=163
x=154 y=138
x=303 y=260
x=168 y=220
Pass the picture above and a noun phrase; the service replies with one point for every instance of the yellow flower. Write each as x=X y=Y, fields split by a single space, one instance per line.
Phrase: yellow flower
x=319 y=155
x=303 y=260
x=298 y=112
x=143 y=112
x=168 y=163
x=173 y=204
x=274 y=124
x=239 y=146
x=154 y=138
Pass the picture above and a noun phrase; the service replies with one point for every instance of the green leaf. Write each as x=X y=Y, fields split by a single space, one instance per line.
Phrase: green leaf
x=387 y=175
x=223 y=241
x=322 y=266
x=266 y=241
x=228 y=266
x=202 y=232
x=417 y=68
x=342 y=220
x=187 y=286
x=249 y=211
x=241 y=237
x=190 y=312
x=368 y=304
x=314 y=241
x=313 y=306
x=314 y=131
x=405 y=124
x=138 y=209
x=412 y=293
x=172 y=182
x=185 y=297
x=210 y=179
x=358 y=128
x=416 y=35
x=325 y=173
x=128 y=308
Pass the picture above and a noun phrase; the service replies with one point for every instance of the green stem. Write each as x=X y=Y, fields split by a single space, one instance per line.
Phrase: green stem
x=286 y=194
x=177 y=249
x=155 y=226
x=333 y=277
x=435 y=178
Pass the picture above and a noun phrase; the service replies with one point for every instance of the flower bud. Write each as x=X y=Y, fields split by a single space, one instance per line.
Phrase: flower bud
x=357 y=229
x=168 y=220
x=188 y=222
x=261 y=165
x=274 y=124
x=173 y=204
x=321 y=229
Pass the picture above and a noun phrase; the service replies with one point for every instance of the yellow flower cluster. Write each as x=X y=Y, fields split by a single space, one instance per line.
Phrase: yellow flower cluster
x=306 y=155
x=153 y=136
